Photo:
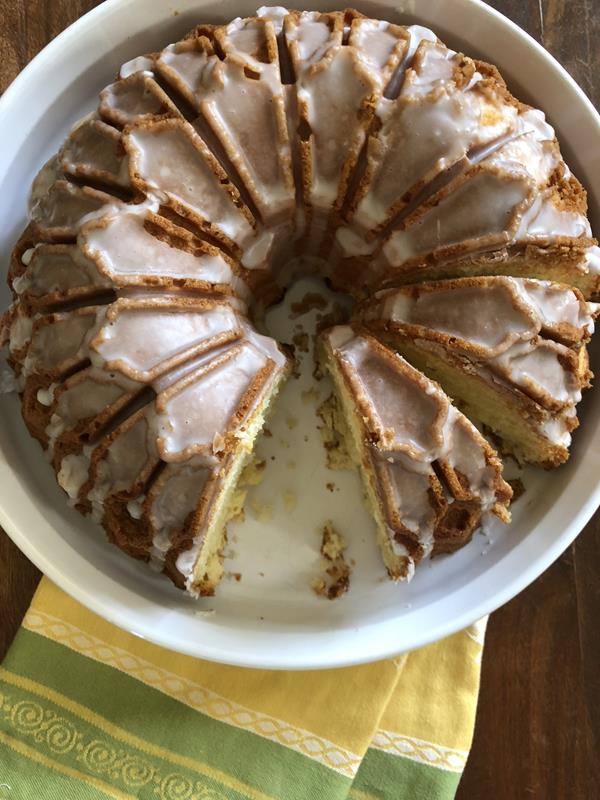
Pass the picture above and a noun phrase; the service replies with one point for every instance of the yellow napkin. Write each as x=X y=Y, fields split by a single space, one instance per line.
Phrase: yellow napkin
x=90 y=711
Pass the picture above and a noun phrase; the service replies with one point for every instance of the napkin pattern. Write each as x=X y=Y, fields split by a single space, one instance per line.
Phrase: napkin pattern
x=88 y=711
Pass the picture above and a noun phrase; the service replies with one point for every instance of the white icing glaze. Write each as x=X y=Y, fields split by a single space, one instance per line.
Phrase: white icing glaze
x=28 y=255
x=487 y=315
x=480 y=212
x=557 y=430
x=145 y=338
x=311 y=38
x=465 y=454
x=60 y=269
x=66 y=206
x=398 y=406
x=544 y=220
x=130 y=454
x=276 y=14
x=175 y=495
x=174 y=160
x=245 y=38
x=134 y=98
x=128 y=253
x=20 y=330
x=557 y=305
x=73 y=473
x=537 y=368
x=437 y=123
x=375 y=42
x=190 y=66
x=43 y=182
x=411 y=500
x=258 y=251
x=329 y=98
x=20 y=284
x=53 y=430
x=88 y=394
x=246 y=112
x=46 y=396
x=139 y=64
x=59 y=342
x=418 y=34
x=93 y=149
x=193 y=414
x=499 y=325
x=135 y=508
x=592 y=260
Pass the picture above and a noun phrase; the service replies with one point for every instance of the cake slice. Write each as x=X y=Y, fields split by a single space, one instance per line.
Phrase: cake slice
x=521 y=205
x=445 y=112
x=430 y=477
x=511 y=351
x=484 y=191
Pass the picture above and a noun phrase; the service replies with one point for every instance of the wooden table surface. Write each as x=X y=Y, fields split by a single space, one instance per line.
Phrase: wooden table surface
x=538 y=724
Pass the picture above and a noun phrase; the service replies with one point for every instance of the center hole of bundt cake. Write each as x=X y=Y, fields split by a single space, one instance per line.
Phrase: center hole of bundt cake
x=292 y=483
x=305 y=306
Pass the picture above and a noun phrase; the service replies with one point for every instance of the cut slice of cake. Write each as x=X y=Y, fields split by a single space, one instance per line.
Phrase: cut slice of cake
x=511 y=351
x=430 y=477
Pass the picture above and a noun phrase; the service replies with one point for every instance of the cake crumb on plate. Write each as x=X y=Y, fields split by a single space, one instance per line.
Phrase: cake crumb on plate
x=335 y=580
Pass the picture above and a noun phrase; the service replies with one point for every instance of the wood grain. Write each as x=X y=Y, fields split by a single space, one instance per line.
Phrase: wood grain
x=538 y=724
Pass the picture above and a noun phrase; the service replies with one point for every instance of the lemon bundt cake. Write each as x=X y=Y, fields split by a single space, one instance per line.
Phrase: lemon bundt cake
x=216 y=171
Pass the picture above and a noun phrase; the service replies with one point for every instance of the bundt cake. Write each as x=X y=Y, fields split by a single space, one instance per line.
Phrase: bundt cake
x=214 y=173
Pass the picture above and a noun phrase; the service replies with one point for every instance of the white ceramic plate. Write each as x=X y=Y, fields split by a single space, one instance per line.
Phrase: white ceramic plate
x=271 y=618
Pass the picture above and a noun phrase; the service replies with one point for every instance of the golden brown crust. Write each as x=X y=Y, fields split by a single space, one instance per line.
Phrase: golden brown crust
x=126 y=532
